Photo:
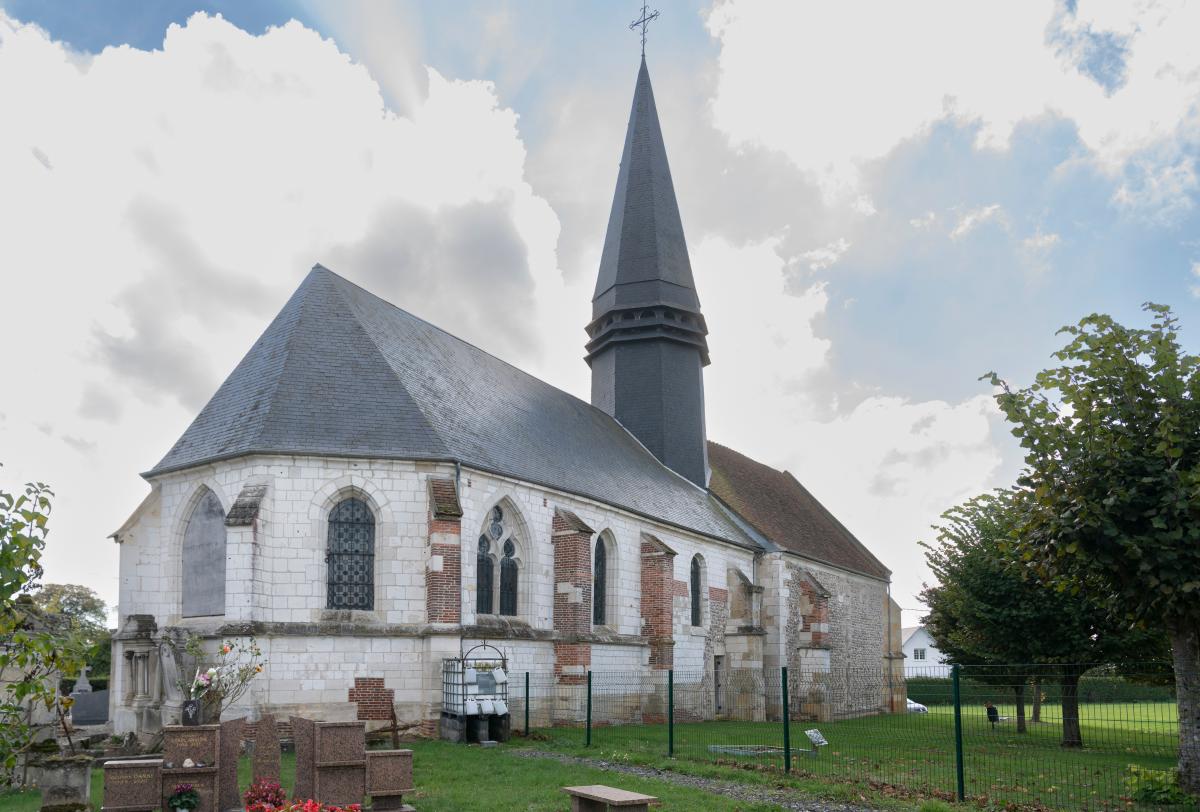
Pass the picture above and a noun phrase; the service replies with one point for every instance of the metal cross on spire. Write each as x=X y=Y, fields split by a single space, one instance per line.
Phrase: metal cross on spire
x=642 y=22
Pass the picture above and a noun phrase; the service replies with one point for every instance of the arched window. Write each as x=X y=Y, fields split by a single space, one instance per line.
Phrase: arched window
x=204 y=558
x=697 y=610
x=351 y=555
x=600 y=583
x=497 y=567
x=483 y=577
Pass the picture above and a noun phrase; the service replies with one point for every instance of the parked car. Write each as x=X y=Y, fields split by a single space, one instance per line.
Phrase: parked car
x=916 y=707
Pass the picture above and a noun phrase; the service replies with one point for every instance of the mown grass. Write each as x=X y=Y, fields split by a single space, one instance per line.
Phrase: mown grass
x=913 y=754
x=452 y=778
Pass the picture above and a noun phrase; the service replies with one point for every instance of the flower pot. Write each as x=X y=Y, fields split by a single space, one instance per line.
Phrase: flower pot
x=192 y=711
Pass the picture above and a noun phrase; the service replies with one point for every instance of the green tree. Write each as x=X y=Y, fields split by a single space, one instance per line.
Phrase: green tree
x=86 y=613
x=34 y=649
x=984 y=610
x=1112 y=454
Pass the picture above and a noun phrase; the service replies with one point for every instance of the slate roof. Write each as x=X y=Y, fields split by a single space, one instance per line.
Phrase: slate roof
x=776 y=505
x=342 y=372
x=645 y=258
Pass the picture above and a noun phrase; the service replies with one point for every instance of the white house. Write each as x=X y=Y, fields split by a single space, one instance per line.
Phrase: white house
x=921 y=655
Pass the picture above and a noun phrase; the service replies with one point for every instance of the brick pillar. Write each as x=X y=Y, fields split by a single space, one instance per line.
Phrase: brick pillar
x=443 y=568
x=658 y=569
x=572 y=540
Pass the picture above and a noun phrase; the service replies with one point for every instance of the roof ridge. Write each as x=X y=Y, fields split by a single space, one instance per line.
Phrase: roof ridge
x=272 y=398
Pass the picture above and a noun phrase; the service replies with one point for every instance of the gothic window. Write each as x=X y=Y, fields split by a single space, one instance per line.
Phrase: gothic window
x=508 y=580
x=204 y=558
x=696 y=587
x=599 y=583
x=350 y=556
x=483 y=577
x=497 y=567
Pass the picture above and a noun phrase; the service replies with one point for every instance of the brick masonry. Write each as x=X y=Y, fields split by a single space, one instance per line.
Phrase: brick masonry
x=375 y=702
x=572 y=539
x=658 y=564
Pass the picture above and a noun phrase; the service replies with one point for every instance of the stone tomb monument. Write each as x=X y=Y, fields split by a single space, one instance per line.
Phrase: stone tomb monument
x=333 y=767
x=132 y=786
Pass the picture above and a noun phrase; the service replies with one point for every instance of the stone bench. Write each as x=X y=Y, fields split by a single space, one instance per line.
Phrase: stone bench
x=599 y=798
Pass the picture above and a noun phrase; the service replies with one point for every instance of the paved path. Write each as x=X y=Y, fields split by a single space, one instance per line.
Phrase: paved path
x=784 y=799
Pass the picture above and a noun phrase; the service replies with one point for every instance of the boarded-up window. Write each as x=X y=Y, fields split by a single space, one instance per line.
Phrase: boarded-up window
x=697 y=609
x=204 y=558
x=599 y=583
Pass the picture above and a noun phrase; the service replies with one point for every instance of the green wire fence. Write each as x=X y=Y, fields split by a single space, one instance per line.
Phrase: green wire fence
x=1023 y=737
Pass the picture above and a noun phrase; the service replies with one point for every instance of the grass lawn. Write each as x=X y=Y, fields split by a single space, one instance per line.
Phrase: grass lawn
x=916 y=752
x=452 y=777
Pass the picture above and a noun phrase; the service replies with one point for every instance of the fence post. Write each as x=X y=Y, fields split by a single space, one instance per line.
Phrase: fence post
x=787 y=726
x=958 y=745
x=589 y=709
x=671 y=713
x=526 y=703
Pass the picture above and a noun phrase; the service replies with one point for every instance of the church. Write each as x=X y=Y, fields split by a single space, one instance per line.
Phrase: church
x=367 y=495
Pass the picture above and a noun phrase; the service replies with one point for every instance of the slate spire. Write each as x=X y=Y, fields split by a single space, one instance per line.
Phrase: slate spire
x=647 y=346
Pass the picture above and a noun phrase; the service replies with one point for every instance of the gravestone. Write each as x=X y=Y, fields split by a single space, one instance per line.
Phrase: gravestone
x=340 y=752
x=228 y=796
x=132 y=786
x=89 y=708
x=389 y=776
x=266 y=749
x=82 y=686
x=199 y=745
x=304 y=734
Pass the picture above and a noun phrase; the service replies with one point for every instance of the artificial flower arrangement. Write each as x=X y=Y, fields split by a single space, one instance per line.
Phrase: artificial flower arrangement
x=184 y=797
x=223 y=683
x=304 y=806
x=264 y=794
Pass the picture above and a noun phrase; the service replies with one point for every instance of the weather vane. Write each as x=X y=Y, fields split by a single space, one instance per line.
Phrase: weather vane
x=642 y=22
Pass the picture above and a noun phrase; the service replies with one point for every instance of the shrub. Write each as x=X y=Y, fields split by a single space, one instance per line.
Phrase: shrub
x=264 y=793
x=1160 y=787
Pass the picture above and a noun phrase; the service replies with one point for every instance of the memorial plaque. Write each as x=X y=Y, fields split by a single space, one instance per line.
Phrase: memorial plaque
x=339 y=742
x=231 y=748
x=304 y=734
x=199 y=743
x=266 y=749
x=340 y=786
x=132 y=786
x=389 y=771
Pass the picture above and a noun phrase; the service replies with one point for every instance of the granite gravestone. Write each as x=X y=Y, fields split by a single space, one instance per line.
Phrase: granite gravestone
x=304 y=734
x=190 y=756
x=132 y=786
x=389 y=776
x=266 y=749
x=228 y=796
x=341 y=759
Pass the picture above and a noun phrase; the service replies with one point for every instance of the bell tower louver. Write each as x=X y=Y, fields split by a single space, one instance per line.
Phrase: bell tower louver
x=647 y=347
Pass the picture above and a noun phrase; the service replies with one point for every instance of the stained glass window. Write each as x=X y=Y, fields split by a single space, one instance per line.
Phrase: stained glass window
x=483 y=577
x=599 y=583
x=351 y=556
x=697 y=614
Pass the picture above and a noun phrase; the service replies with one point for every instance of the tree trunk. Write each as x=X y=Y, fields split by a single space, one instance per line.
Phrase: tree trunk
x=1037 y=701
x=1185 y=648
x=1072 y=736
x=1019 y=690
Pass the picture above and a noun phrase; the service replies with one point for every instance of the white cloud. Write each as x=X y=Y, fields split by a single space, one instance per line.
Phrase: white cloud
x=160 y=206
x=974 y=218
x=849 y=81
x=1195 y=288
x=887 y=467
x=819 y=259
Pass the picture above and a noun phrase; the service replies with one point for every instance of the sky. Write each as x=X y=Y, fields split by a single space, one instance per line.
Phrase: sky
x=883 y=202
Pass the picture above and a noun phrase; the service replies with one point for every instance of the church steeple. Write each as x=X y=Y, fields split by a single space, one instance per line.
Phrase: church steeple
x=647 y=346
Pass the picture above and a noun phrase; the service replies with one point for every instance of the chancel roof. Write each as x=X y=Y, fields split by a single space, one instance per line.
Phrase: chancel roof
x=781 y=509
x=341 y=372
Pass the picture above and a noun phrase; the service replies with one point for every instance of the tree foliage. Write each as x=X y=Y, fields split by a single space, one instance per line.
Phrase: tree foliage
x=985 y=612
x=34 y=648
x=1112 y=452
x=86 y=614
